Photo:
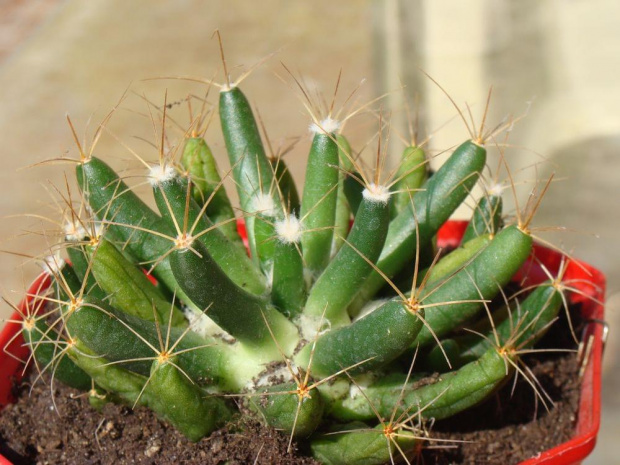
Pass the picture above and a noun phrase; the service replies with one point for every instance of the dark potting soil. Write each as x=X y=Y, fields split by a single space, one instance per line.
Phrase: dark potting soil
x=510 y=427
x=514 y=425
x=503 y=430
x=36 y=431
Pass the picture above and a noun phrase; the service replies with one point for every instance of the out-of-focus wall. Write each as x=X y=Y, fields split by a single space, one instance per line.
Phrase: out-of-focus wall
x=558 y=62
x=555 y=61
x=83 y=55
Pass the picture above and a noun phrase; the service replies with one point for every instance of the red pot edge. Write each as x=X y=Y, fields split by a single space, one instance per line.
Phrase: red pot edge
x=571 y=452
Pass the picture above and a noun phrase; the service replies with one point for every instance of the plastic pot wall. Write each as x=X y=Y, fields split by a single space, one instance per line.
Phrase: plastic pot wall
x=586 y=278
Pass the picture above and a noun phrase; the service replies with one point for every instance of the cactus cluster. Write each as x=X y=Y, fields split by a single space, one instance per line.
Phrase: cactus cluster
x=322 y=322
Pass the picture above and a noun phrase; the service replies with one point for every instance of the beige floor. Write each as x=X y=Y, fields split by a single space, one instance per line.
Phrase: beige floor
x=79 y=57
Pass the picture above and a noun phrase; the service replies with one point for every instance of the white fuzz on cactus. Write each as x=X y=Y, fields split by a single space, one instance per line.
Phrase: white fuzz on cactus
x=377 y=193
x=53 y=264
x=327 y=126
x=264 y=204
x=74 y=231
x=161 y=173
x=289 y=229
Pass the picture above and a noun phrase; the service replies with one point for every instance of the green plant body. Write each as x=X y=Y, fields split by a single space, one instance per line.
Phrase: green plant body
x=167 y=309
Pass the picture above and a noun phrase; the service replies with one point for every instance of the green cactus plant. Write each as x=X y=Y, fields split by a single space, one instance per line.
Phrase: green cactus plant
x=294 y=328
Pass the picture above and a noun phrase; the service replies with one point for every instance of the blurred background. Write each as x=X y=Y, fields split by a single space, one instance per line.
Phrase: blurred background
x=555 y=61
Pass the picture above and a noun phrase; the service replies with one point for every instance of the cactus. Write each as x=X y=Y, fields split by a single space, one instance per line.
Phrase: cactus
x=166 y=309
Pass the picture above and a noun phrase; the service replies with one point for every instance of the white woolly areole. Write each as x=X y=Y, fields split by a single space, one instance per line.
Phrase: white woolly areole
x=289 y=229
x=312 y=327
x=52 y=264
x=227 y=87
x=264 y=204
x=159 y=174
x=375 y=193
x=327 y=126
x=74 y=231
x=496 y=190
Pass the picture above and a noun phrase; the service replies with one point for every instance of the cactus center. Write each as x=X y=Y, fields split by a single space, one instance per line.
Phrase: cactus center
x=75 y=304
x=389 y=431
x=506 y=352
x=303 y=392
x=163 y=357
x=28 y=323
x=183 y=241
x=413 y=305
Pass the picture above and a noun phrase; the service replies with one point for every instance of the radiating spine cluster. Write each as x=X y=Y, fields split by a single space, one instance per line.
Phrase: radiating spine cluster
x=341 y=288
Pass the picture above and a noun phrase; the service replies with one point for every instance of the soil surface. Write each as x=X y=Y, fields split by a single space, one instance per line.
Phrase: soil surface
x=514 y=425
x=36 y=431
x=502 y=431
x=510 y=427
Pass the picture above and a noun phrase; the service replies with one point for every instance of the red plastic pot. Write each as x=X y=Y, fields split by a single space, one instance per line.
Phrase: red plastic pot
x=586 y=278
